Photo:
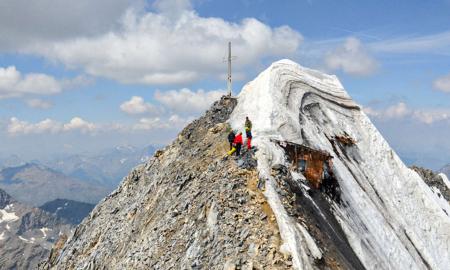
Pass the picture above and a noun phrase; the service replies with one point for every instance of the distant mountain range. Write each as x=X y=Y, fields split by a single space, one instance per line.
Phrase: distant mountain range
x=36 y=184
x=85 y=178
x=26 y=233
x=106 y=168
x=66 y=189
x=446 y=170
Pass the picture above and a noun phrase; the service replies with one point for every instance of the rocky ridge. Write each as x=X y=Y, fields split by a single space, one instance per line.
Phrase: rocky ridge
x=189 y=207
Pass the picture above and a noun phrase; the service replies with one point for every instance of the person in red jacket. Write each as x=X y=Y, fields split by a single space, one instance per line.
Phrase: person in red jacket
x=238 y=143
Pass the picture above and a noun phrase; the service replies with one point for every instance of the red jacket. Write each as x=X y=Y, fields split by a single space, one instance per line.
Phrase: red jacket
x=238 y=139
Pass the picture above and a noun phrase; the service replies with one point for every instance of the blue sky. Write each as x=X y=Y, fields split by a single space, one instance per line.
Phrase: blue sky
x=80 y=76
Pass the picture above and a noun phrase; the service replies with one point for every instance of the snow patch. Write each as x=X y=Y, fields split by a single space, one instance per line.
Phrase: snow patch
x=441 y=200
x=28 y=241
x=7 y=217
x=445 y=180
x=2 y=236
x=44 y=231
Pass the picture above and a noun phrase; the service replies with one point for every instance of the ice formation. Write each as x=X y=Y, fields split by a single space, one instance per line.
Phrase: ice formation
x=390 y=216
x=445 y=180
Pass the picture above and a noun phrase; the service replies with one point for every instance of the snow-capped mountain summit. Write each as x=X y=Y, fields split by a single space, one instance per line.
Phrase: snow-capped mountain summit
x=390 y=216
x=354 y=206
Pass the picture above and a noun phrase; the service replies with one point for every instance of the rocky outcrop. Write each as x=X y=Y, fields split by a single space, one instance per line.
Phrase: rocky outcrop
x=5 y=199
x=434 y=180
x=26 y=234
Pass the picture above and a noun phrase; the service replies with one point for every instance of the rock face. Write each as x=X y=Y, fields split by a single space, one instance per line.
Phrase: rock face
x=26 y=234
x=192 y=207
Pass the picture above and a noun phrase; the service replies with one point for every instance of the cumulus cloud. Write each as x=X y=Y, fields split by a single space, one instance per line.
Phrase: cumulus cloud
x=188 y=101
x=77 y=123
x=137 y=105
x=157 y=123
x=442 y=84
x=352 y=58
x=162 y=48
x=15 y=84
x=38 y=103
x=17 y=127
x=402 y=111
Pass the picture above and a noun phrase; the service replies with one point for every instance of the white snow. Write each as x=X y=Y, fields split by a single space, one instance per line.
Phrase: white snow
x=2 y=236
x=443 y=203
x=44 y=231
x=28 y=241
x=7 y=217
x=391 y=218
x=445 y=180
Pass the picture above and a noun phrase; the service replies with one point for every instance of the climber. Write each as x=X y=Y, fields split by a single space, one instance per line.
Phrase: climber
x=248 y=134
x=237 y=144
x=248 y=123
x=231 y=137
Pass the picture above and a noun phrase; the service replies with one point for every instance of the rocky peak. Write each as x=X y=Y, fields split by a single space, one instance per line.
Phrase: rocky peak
x=193 y=207
x=5 y=199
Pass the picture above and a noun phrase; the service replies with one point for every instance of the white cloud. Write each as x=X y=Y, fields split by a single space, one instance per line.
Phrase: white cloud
x=432 y=116
x=402 y=111
x=137 y=105
x=436 y=43
x=442 y=84
x=24 y=22
x=17 y=127
x=39 y=103
x=187 y=101
x=156 y=123
x=161 y=48
x=352 y=58
x=15 y=84
x=77 y=123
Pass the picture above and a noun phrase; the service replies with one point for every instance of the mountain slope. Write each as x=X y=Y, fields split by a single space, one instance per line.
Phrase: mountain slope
x=26 y=234
x=46 y=184
x=188 y=207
